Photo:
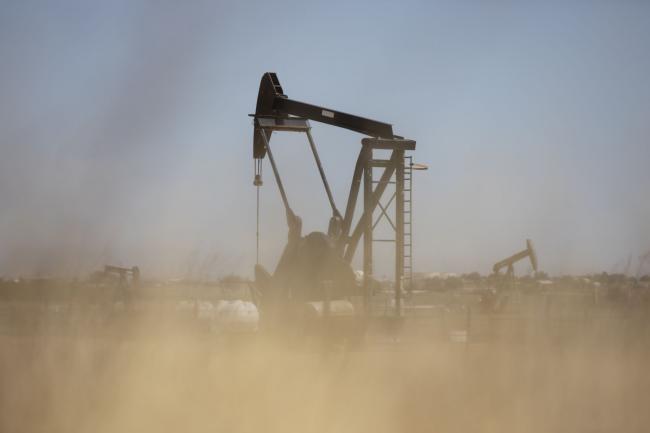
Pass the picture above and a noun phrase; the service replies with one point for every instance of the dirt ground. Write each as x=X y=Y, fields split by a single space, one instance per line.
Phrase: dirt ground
x=188 y=383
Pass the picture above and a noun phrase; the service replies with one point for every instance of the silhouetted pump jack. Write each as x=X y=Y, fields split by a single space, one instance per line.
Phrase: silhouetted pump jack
x=310 y=263
x=510 y=261
x=123 y=283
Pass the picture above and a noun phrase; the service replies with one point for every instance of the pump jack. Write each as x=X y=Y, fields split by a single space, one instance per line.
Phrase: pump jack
x=643 y=259
x=316 y=267
x=123 y=284
x=510 y=261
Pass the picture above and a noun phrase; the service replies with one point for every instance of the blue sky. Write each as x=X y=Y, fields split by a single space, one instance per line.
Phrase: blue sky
x=125 y=138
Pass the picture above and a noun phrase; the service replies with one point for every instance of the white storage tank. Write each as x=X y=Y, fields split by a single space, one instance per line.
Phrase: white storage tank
x=236 y=316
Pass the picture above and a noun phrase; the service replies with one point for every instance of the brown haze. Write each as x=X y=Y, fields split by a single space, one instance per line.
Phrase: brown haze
x=591 y=381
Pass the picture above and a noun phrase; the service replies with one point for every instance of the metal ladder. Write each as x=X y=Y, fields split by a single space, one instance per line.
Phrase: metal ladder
x=408 y=223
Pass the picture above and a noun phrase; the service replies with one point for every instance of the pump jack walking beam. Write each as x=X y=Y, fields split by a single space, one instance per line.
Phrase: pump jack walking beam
x=272 y=102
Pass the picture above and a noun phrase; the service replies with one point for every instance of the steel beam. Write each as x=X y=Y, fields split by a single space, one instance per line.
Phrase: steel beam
x=352 y=197
x=367 y=229
x=276 y=173
x=366 y=218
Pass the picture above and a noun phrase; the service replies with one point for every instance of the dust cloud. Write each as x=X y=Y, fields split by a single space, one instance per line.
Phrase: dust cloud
x=583 y=379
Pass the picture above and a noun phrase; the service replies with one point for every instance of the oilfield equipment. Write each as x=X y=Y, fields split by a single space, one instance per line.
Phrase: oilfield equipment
x=315 y=270
x=126 y=278
x=510 y=261
x=644 y=259
x=124 y=274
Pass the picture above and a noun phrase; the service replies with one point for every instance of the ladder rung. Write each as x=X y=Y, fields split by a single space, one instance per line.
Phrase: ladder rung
x=383 y=240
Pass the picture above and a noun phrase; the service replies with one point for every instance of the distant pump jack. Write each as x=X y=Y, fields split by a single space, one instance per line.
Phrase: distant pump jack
x=510 y=261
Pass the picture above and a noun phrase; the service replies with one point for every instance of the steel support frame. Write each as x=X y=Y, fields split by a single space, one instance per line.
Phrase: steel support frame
x=393 y=168
x=367 y=230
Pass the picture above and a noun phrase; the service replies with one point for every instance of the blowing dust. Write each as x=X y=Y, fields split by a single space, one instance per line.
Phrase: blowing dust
x=182 y=381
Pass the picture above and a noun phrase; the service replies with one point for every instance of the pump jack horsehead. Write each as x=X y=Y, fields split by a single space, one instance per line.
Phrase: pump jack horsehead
x=314 y=271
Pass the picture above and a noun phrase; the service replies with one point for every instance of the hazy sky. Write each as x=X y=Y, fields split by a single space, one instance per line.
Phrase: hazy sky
x=125 y=138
